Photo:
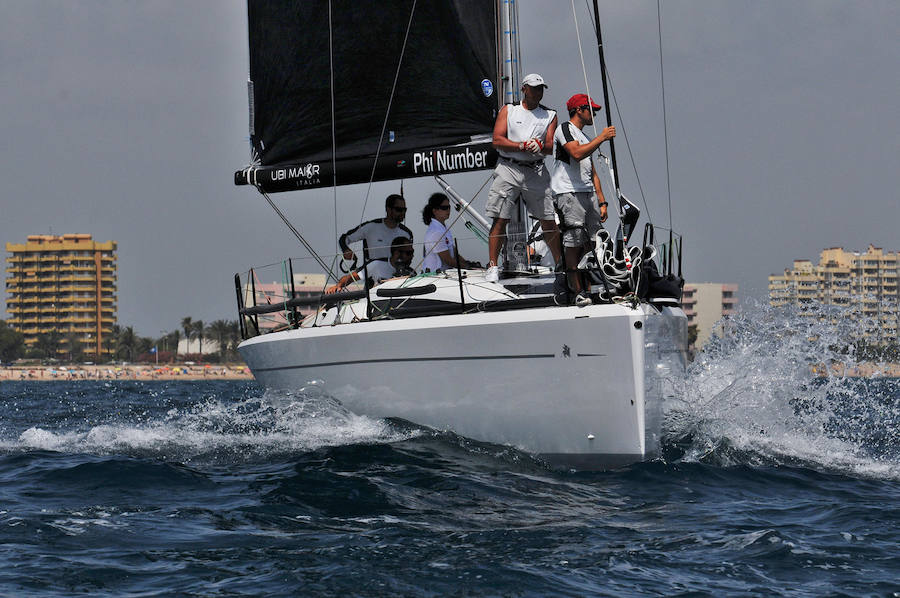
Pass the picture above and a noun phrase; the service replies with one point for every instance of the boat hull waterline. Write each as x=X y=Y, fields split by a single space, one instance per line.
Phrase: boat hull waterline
x=579 y=387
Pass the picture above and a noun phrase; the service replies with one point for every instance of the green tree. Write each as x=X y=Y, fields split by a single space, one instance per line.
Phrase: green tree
x=47 y=345
x=111 y=341
x=12 y=343
x=234 y=337
x=188 y=327
x=127 y=343
x=220 y=331
x=172 y=340
x=199 y=330
x=74 y=346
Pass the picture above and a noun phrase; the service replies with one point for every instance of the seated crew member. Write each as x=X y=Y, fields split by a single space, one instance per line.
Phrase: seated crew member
x=377 y=234
x=440 y=252
x=573 y=180
x=378 y=270
x=523 y=135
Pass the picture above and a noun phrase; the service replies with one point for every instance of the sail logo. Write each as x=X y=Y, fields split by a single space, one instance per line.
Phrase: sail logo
x=445 y=161
x=296 y=172
x=487 y=88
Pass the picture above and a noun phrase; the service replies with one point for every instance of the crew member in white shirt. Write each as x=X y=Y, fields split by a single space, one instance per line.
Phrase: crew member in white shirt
x=574 y=181
x=440 y=252
x=377 y=234
x=523 y=136
x=378 y=270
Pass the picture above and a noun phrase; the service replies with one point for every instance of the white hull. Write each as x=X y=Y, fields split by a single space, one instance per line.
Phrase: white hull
x=582 y=387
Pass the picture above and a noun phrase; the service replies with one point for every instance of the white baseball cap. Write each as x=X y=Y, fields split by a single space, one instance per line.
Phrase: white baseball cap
x=534 y=80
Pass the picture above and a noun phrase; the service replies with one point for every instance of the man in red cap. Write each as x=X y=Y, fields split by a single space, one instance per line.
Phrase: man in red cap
x=573 y=180
x=523 y=135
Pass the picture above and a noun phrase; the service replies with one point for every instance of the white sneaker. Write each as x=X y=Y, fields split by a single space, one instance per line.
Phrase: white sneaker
x=583 y=299
x=492 y=274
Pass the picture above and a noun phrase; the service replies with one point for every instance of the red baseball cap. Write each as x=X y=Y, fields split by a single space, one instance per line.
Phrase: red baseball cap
x=580 y=99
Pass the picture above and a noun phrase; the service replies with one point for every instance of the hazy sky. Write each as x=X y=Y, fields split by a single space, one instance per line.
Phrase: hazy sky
x=126 y=120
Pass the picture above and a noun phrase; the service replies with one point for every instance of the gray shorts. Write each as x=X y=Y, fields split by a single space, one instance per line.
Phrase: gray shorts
x=579 y=218
x=511 y=179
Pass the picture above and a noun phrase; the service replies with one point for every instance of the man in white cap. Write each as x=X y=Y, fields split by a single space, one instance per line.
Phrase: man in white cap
x=523 y=135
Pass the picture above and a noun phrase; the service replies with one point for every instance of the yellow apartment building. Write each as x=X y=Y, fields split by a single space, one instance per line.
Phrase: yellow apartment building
x=63 y=286
x=864 y=282
x=705 y=303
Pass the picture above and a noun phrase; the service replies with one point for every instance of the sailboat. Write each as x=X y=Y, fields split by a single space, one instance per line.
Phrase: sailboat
x=355 y=92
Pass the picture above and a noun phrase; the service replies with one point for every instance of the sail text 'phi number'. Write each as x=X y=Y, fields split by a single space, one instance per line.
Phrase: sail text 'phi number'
x=442 y=160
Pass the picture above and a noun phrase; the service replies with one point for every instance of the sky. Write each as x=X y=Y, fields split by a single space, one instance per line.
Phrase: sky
x=127 y=120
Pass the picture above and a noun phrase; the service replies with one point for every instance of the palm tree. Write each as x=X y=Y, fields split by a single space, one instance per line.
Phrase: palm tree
x=234 y=336
x=220 y=331
x=188 y=328
x=198 y=333
x=127 y=342
x=173 y=338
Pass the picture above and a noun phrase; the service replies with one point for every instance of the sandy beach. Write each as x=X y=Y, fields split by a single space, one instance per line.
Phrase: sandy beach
x=128 y=372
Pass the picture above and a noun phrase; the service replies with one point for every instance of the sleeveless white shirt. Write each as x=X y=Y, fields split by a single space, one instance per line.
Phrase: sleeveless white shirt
x=523 y=124
x=570 y=175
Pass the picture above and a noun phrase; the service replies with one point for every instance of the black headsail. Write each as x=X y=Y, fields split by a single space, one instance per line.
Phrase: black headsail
x=441 y=112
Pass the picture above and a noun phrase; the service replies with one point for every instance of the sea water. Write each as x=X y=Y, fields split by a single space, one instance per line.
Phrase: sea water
x=773 y=482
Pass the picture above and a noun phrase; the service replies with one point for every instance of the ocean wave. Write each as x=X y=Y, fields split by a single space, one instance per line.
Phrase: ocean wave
x=247 y=427
x=767 y=392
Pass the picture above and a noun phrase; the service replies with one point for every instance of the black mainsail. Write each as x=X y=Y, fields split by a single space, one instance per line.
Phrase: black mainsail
x=369 y=90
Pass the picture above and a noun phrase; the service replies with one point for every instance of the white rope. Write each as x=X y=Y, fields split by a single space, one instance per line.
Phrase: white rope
x=387 y=113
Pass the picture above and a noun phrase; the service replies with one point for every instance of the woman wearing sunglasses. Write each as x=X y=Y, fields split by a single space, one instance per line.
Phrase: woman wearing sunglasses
x=440 y=252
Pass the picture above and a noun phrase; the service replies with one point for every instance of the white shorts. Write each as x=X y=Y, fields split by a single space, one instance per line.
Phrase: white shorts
x=512 y=179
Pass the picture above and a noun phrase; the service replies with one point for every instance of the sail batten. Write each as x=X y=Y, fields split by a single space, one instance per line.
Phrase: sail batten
x=444 y=97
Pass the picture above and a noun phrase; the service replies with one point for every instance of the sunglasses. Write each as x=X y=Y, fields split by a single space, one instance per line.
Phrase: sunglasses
x=401 y=210
x=446 y=207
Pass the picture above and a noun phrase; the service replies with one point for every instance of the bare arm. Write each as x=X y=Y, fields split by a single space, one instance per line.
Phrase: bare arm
x=580 y=150
x=601 y=201
x=343 y=282
x=500 y=140
x=548 y=138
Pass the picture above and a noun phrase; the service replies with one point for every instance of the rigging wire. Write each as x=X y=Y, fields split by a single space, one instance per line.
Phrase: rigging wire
x=387 y=113
x=587 y=87
x=333 y=133
x=662 y=79
x=615 y=102
x=297 y=234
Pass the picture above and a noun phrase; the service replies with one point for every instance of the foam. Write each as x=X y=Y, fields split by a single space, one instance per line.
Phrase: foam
x=275 y=422
x=751 y=397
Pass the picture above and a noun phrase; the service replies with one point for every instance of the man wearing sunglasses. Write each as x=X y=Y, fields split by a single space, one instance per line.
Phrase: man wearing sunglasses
x=523 y=136
x=573 y=182
x=379 y=270
x=377 y=234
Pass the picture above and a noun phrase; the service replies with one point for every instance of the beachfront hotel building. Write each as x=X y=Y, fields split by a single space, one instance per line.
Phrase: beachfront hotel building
x=705 y=303
x=866 y=283
x=63 y=287
x=257 y=292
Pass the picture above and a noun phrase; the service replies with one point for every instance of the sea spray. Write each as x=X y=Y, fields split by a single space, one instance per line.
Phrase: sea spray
x=771 y=388
x=253 y=426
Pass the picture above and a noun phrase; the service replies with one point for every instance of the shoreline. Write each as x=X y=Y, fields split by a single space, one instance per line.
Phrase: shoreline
x=227 y=371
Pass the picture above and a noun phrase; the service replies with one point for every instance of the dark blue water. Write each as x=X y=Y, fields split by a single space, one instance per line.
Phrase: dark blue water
x=222 y=489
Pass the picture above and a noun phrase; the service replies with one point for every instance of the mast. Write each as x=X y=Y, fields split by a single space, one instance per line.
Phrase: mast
x=628 y=212
x=612 y=142
x=509 y=51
